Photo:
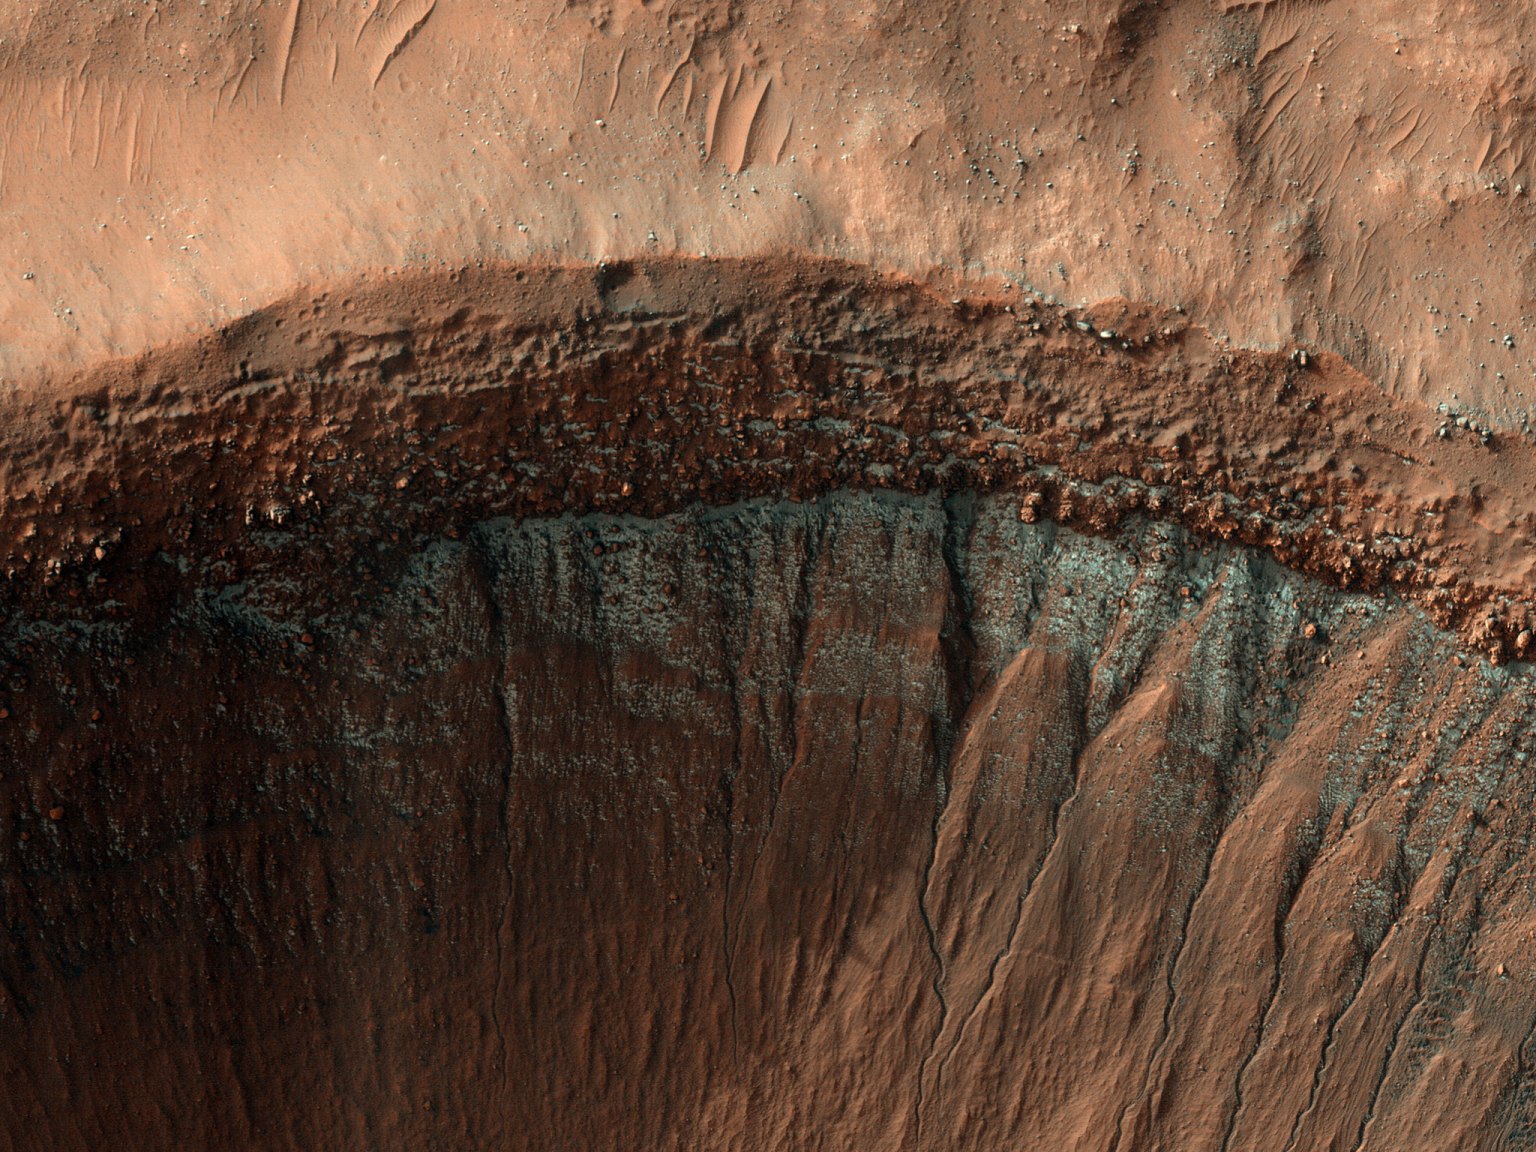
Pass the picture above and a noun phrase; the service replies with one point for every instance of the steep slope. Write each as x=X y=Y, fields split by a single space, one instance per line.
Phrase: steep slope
x=870 y=822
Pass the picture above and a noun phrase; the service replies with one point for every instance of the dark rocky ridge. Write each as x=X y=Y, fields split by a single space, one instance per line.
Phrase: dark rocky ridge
x=870 y=822
x=399 y=410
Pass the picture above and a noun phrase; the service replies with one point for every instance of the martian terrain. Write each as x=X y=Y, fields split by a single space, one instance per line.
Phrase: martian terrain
x=767 y=575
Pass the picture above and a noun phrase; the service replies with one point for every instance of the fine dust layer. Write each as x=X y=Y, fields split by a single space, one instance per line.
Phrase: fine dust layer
x=1343 y=175
x=874 y=821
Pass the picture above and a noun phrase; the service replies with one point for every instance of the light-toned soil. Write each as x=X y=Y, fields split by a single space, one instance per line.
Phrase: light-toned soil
x=1346 y=176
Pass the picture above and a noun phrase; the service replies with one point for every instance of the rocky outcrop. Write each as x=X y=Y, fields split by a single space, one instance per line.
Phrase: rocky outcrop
x=426 y=404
